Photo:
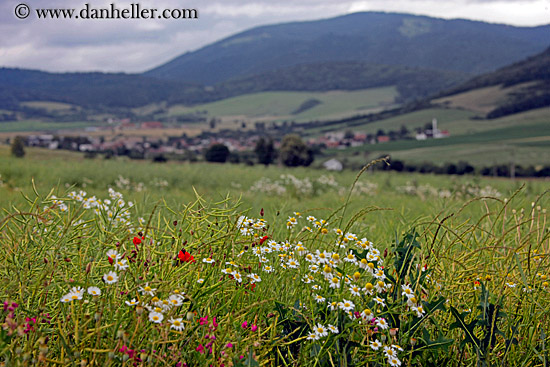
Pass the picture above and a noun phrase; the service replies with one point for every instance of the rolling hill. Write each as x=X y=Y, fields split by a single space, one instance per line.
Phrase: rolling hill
x=371 y=37
x=519 y=87
x=87 y=89
x=108 y=90
x=411 y=83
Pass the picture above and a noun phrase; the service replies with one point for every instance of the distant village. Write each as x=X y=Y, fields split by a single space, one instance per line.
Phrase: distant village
x=115 y=143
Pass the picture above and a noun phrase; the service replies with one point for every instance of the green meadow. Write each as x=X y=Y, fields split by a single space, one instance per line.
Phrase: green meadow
x=282 y=105
x=118 y=262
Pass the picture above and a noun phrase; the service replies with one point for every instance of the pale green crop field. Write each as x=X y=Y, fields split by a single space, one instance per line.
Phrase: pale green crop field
x=281 y=105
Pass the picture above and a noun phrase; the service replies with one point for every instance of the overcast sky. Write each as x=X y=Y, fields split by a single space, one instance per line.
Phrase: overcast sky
x=138 y=45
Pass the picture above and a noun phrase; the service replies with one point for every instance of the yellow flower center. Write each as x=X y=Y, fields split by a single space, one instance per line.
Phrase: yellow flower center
x=368 y=286
x=109 y=278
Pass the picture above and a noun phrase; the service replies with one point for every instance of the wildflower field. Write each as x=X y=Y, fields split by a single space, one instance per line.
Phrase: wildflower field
x=124 y=263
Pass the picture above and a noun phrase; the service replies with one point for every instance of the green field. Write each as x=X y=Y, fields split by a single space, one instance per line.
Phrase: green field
x=281 y=105
x=176 y=183
x=521 y=138
x=39 y=126
x=164 y=270
x=49 y=106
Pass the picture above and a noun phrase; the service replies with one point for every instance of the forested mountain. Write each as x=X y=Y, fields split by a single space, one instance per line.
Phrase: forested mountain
x=371 y=37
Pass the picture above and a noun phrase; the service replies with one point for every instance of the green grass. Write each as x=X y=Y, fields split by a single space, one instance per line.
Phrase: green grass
x=448 y=119
x=38 y=126
x=62 y=170
x=281 y=104
x=463 y=279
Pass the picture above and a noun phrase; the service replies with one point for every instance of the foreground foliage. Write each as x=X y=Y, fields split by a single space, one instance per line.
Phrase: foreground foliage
x=85 y=281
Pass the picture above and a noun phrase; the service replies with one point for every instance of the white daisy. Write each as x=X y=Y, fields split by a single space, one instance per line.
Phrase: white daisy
x=320 y=330
x=237 y=276
x=110 y=278
x=375 y=345
x=133 y=302
x=113 y=255
x=66 y=298
x=147 y=290
x=407 y=291
x=355 y=291
x=175 y=300
x=156 y=317
x=313 y=336
x=380 y=301
x=382 y=323
x=419 y=310
x=347 y=305
x=94 y=291
x=176 y=324
x=318 y=298
x=394 y=361
x=255 y=278
x=121 y=264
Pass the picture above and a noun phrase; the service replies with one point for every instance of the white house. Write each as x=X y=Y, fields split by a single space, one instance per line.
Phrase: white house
x=333 y=165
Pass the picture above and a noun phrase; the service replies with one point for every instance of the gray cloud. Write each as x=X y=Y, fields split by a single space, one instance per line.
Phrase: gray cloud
x=137 y=45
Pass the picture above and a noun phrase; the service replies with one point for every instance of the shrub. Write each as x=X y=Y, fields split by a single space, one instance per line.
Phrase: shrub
x=217 y=153
x=294 y=152
x=18 y=147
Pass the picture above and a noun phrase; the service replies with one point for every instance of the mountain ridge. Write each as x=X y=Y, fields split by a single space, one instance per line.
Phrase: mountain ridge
x=373 y=37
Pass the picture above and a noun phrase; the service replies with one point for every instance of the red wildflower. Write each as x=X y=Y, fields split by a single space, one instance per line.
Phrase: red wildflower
x=185 y=256
x=137 y=240
x=263 y=239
